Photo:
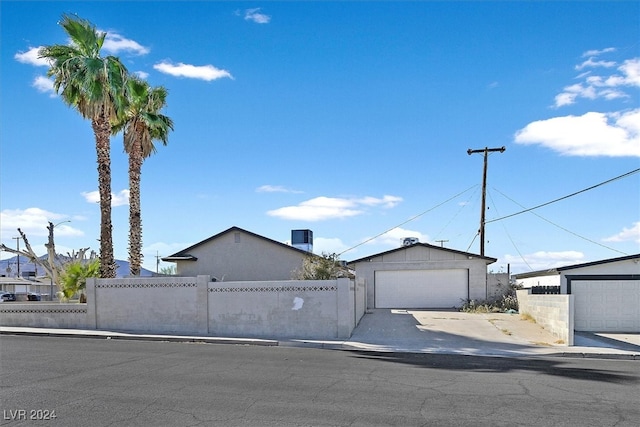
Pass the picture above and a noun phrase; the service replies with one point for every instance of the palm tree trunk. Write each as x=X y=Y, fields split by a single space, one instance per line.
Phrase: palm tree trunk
x=102 y=131
x=135 y=216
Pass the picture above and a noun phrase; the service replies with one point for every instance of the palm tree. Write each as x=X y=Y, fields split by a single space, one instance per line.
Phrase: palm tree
x=142 y=124
x=94 y=86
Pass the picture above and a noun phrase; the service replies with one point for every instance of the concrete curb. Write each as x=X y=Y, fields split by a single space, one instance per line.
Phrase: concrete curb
x=133 y=337
x=318 y=344
x=615 y=356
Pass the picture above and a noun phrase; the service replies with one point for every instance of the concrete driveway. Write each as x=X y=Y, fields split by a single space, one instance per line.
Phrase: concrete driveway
x=452 y=332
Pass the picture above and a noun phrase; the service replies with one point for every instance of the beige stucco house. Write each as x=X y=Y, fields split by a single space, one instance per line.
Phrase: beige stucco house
x=422 y=276
x=239 y=255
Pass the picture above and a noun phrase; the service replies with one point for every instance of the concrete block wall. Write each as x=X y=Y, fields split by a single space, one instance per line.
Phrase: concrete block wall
x=497 y=286
x=44 y=315
x=152 y=304
x=312 y=309
x=555 y=313
x=196 y=306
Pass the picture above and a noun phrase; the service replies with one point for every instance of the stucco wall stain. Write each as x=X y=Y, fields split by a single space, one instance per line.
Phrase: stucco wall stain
x=297 y=303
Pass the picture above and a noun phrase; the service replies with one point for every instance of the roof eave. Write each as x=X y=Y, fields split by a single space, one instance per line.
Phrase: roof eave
x=174 y=258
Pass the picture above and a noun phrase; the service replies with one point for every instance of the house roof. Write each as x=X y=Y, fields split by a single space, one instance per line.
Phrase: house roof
x=557 y=270
x=426 y=245
x=537 y=273
x=184 y=255
x=19 y=281
x=604 y=261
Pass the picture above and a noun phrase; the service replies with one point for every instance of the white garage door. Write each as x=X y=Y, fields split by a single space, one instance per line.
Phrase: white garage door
x=421 y=288
x=606 y=305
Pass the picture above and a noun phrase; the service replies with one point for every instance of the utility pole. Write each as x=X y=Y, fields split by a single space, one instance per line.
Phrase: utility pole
x=18 y=250
x=486 y=152
x=441 y=242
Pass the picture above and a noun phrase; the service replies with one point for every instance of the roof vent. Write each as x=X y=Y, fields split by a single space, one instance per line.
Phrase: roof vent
x=408 y=241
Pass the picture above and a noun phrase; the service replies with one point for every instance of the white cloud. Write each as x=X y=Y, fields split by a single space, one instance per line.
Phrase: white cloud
x=543 y=260
x=255 y=16
x=601 y=86
x=631 y=71
x=120 y=199
x=202 y=72
x=31 y=57
x=631 y=234
x=318 y=209
x=328 y=245
x=592 y=134
x=275 y=189
x=44 y=85
x=590 y=63
x=386 y=201
x=394 y=237
x=610 y=94
x=323 y=208
x=142 y=74
x=34 y=222
x=596 y=52
x=114 y=43
x=571 y=93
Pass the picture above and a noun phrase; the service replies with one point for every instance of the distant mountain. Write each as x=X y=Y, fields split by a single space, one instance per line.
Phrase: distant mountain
x=9 y=268
x=123 y=270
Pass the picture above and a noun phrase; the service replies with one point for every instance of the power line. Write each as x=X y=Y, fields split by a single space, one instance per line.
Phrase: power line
x=454 y=216
x=567 y=196
x=409 y=220
x=564 y=229
x=508 y=234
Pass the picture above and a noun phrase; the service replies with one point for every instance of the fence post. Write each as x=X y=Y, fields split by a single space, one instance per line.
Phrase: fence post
x=571 y=320
x=92 y=307
x=202 y=302
x=344 y=306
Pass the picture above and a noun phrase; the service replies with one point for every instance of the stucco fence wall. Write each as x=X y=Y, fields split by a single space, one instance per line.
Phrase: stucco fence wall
x=555 y=313
x=44 y=315
x=497 y=286
x=195 y=305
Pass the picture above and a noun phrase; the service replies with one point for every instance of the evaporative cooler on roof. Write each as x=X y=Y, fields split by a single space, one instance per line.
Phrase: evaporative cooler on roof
x=302 y=239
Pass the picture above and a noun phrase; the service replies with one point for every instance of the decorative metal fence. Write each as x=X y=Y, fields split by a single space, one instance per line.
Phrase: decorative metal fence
x=545 y=290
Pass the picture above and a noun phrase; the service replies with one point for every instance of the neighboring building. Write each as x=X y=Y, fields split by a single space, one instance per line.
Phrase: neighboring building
x=550 y=277
x=22 y=287
x=422 y=276
x=606 y=293
x=238 y=255
x=30 y=270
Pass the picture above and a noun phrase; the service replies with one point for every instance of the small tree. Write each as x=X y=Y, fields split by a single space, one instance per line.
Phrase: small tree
x=73 y=279
x=169 y=271
x=325 y=267
x=54 y=265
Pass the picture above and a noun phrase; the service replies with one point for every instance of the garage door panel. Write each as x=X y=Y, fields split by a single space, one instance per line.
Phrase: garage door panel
x=606 y=305
x=421 y=288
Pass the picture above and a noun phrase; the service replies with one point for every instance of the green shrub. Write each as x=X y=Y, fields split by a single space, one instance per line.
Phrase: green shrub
x=73 y=279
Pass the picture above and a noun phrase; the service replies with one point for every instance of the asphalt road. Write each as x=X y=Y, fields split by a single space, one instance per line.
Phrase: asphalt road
x=99 y=382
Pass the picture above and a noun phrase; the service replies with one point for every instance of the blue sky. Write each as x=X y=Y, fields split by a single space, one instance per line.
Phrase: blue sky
x=346 y=118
